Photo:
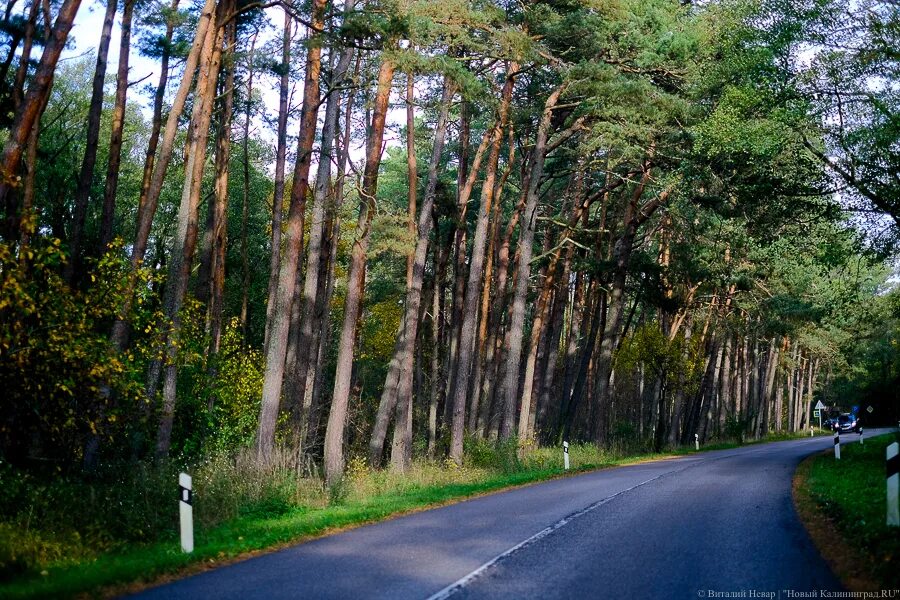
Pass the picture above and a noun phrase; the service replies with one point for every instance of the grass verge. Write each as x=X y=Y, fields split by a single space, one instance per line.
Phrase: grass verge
x=843 y=506
x=303 y=511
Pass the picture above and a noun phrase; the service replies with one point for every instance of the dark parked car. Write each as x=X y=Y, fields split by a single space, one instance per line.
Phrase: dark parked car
x=847 y=423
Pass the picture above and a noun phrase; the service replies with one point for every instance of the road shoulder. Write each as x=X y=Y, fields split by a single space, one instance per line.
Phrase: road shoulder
x=832 y=533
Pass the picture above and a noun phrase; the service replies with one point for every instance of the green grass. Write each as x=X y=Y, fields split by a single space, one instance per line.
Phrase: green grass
x=851 y=493
x=60 y=543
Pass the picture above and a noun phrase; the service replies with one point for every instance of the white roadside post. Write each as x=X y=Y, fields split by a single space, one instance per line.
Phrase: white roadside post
x=810 y=431
x=861 y=435
x=186 y=512
x=837 y=445
x=566 y=455
x=696 y=441
x=893 y=483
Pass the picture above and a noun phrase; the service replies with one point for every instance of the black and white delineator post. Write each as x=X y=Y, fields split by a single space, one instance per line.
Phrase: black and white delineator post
x=837 y=445
x=892 y=471
x=696 y=441
x=860 y=435
x=566 y=455
x=186 y=512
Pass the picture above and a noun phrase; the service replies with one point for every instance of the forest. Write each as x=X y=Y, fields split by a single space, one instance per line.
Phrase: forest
x=326 y=237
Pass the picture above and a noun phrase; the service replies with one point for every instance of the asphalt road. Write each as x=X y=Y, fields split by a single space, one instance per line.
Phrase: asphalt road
x=692 y=527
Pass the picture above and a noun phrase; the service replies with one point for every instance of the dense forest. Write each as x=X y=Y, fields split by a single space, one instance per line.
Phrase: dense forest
x=386 y=230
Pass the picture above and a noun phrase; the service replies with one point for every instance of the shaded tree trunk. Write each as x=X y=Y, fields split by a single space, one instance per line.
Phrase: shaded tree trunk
x=118 y=126
x=465 y=347
x=155 y=168
x=337 y=416
x=86 y=175
x=399 y=368
x=220 y=193
x=280 y=160
x=185 y=241
x=287 y=277
x=310 y=322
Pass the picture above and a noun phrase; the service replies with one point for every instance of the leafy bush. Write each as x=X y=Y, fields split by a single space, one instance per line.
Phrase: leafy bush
x=735 y=428
x=502 y=455
x=62 y=380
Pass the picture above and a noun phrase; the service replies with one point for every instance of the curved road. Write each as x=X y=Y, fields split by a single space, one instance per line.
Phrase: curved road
x=693 y=527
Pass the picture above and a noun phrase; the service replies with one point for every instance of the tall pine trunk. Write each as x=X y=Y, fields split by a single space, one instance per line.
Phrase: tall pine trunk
x=86 y=175
x=30 y=109
x=337 y=416
x=403 y=348
x=465 y=348
x=307 y=351
x=287 y=277
x=280 y=160
x=155 y=169
x=118 y=126
x=185 y=241
x=220 y=208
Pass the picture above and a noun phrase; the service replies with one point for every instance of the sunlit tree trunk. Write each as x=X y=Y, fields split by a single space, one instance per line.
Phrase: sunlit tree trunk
x=337 y=416
x=29 y=111
x=287 y=278
x=185 y=240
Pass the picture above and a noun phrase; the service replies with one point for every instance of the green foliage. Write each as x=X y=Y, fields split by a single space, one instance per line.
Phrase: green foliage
x=850 y=492
x=502 y=454
x=678 y=361
x=735 y=428
x=234 y=391
x=62 y=379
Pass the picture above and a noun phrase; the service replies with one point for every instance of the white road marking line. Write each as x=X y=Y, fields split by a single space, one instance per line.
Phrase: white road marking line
x=461 y=583
x=464 y=581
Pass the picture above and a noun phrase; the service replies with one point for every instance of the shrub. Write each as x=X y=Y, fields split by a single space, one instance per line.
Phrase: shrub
x=62 y=380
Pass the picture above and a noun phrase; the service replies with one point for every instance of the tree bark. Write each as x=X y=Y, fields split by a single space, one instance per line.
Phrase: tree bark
x=280 y=160
x=29 y=111
x=185 y=240
x=337 y=416
x=307 y=354
x=220 y=209
x=245 y=198
x=86 y=175
x=287 y=278
x=118 y=127
x=155 y=168
x=476 y=275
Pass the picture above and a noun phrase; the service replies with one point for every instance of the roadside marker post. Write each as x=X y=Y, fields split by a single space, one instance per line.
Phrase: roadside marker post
x=892 y=471
x=566 y=455
x=837 y=445
x=810 y=431
x=186 y=512
x=861 y=435
x=696 y=441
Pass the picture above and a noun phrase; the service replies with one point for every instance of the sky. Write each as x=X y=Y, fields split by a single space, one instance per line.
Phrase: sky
x=85 y=37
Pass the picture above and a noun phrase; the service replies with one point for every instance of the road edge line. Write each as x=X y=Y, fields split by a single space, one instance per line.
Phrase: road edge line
x=462 y=582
